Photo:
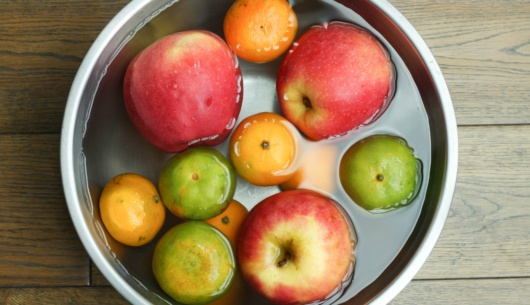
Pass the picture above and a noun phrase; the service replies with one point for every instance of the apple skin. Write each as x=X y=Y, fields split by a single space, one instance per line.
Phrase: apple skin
x=309 y=227
x=184 y=90
x=343 y=73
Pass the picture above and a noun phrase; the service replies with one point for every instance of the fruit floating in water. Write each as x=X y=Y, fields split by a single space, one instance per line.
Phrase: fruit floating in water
x=296 y=247
x=184 y=90
x=336 y=77
x=229 y=222
x=194 y=263
x=198 y=183
x=131 y=209
x=380 y=173
x=260 y=30
x=265 y=148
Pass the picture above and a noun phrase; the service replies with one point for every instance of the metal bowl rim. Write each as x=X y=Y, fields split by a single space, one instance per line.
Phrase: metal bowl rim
x=67 y=158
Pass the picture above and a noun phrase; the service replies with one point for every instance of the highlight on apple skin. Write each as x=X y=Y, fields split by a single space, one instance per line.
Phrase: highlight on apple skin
x=336 y=77
x=296 y=247
x=184 y=90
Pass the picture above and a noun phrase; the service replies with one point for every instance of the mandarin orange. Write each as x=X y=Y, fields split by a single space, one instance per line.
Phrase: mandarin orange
x=230 y=220
x=260 y=30
x=264 y=149
x=131 y=209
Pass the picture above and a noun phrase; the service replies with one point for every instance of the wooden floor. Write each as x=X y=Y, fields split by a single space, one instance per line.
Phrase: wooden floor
x=483 y=49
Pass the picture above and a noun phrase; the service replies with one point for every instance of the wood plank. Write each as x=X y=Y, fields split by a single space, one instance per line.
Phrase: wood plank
x=483 y=53
x=487 y=233
x=482 y=48
x=96 y=277
x=38 y=243
x=42 y=45
x=61 y=295
x=487 y=226
x=484 y=291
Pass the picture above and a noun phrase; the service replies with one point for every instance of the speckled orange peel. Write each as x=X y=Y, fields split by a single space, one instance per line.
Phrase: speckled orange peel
x=260 y=30
x=131 y=209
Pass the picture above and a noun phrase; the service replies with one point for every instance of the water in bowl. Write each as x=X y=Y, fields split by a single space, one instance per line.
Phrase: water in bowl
x=380 y=237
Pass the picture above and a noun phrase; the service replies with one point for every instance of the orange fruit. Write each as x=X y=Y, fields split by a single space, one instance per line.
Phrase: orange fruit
x=131 y=209
x=260 y=30
x=230 y=221
x=263 y=149
x=317 y=170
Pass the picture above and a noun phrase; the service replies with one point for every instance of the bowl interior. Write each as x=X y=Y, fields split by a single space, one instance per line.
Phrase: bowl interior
x=107 y=144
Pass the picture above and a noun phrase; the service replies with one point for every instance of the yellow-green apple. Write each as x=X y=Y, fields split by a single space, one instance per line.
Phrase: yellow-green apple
x=295 y=247
x=184 y=90
x=336 y=77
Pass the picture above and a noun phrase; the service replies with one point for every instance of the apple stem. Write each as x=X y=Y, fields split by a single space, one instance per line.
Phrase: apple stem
x=380 y=177
x=225 y=220
x=265 y=145
x=195 y=177
x=307 y=103
x=283 y=262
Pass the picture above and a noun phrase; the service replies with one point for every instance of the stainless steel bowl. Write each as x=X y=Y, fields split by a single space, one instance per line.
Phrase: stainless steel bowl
x=99 y=141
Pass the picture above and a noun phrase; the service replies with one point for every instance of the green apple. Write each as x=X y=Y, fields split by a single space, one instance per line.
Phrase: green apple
x=380 y=173
x=194 y=263
x=198 y=183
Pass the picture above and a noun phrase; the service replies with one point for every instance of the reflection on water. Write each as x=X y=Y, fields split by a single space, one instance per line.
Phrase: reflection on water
x=379 y=237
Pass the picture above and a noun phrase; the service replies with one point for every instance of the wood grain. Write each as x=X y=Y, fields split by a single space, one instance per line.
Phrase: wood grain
x=486 y=291
x=483 y=49
x=96 y=278
x=465 y=291
x=487 y=233
x=61 y=295
x=38 y=243
x=42 y=44
x=483 y=254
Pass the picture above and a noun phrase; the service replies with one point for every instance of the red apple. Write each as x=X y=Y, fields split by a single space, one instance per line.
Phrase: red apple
x=333 y=79
x=295 y=247
x=184 y=90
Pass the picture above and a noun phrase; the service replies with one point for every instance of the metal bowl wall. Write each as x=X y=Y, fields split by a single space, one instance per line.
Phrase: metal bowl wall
x=95 y=107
